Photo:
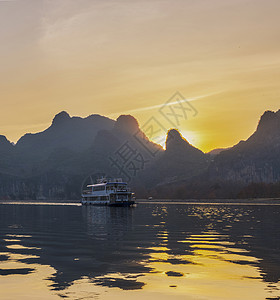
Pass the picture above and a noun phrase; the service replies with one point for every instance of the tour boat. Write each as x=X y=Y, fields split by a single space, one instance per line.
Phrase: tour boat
x=108 y=192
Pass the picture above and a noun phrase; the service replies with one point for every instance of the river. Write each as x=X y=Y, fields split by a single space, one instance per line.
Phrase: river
x=151 y=251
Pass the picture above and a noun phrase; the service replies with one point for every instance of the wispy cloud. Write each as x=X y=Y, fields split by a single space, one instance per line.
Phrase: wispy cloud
x=151 y=107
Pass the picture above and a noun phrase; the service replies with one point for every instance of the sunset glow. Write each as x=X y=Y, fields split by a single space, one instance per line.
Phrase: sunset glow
x=88 y=57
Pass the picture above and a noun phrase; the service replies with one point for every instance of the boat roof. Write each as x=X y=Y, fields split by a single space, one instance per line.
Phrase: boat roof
x=107 y=183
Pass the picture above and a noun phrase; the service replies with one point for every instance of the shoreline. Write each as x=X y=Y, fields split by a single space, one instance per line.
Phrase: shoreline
x=252 y=201
x=214 y=201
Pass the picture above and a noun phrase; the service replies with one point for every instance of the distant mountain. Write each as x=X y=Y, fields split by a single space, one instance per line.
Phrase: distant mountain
x=7 y=156
x=120 y=150
x=126 y=129
x=54 y=163
x=5 y=145
x=57 y=162
x=180 y=161
x=71 y=133
x=254 y=160
x=249 y=169
x=217 y=151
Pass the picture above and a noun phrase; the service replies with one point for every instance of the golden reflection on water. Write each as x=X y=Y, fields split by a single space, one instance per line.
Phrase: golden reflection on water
x=213 y=271
x=209 y=266
x=31 y=282
x=25 y=286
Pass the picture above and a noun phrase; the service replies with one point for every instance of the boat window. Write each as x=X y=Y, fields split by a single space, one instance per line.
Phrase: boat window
x=99 y=188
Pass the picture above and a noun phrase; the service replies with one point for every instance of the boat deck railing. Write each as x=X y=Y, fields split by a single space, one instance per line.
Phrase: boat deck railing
x=114 y=190
x=86 y=192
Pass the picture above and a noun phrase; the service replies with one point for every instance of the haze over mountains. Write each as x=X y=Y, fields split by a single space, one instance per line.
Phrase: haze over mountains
x=58 y=162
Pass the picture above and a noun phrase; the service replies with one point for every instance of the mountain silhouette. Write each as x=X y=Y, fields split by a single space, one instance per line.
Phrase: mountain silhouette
x=249 y=169
x=72 y=133
x=56 y=162
x=6 y=148
x=255 y=160
x=178 y=162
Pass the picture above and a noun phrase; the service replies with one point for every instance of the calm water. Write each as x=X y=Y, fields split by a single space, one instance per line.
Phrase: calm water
x=156 y=251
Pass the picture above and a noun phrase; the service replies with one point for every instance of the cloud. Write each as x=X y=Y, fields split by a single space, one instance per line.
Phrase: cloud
x=151 y=107
x=77 y=27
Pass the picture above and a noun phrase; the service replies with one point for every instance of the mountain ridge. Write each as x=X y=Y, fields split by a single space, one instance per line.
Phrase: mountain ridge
x=54 y=162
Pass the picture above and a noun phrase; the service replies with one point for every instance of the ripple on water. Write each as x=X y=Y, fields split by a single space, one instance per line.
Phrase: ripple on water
x=153 y=251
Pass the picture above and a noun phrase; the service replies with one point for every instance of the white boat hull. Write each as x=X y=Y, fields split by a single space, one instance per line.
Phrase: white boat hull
x=107 y=203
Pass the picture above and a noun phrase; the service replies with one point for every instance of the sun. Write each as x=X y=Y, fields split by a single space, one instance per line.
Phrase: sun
x=191 y=136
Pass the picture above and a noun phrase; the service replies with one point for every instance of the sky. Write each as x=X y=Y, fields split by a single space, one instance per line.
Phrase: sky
x=131 y=57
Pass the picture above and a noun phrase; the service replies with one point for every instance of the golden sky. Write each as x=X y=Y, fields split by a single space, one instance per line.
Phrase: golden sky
x=130 y=56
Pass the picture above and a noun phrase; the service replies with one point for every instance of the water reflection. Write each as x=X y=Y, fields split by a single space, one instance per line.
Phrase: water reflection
x=154 y=250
